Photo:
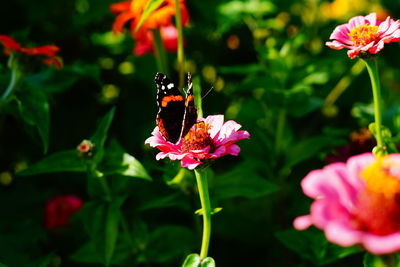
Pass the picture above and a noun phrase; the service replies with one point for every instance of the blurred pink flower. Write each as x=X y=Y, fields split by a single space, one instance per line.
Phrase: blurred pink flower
x=59 y=210
x=169 y=35
x=356 y=202
x=364 y=35
x=209 y=138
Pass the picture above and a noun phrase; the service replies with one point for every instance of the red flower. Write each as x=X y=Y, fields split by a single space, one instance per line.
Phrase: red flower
x=169 y=35
x=59 y=210
x=46 y=52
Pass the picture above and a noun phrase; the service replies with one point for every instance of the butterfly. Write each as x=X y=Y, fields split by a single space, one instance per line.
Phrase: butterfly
x=176 y=113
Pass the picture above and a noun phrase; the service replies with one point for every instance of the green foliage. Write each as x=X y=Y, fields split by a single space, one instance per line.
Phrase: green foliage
x=34 y=110
x=312 y=245
x=101 y=222
x=371 y=260
x=269 y=70
x=63 y=161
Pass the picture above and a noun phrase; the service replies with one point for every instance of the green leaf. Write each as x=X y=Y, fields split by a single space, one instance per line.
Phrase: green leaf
x=111 y=227
x=3 y=265
x=214 y=211
x=192 y=260
x=242 y=181
x=100 y=135
x=117 y=161
x=312 y=245
x=87 y=253
x=64 y=161
x=307 y=149
x=371 y=260
x=170 y=200
x=169 y=242
x=208 y=262
x=101 y=220
x=316 y=78
x=34 y=110
x=151 y=6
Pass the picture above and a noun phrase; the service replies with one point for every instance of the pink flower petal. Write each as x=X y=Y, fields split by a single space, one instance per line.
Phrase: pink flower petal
x=342 y=235
x=223 y=136
x=382 y=244
x=216 y=121
x=302 y=222
x=337 y=191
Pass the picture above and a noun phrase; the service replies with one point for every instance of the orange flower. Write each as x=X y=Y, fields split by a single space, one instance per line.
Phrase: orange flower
x=46 y=52
x=133 y=11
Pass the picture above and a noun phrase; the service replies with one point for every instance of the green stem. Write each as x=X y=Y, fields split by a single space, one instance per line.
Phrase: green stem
x=178 y=22
x=161 y=56
x=201 y=177
x=16 y=78
x=372 y=68
x=279 y=130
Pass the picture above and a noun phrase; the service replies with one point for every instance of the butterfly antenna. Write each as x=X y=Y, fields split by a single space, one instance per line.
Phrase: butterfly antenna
x=207 y=92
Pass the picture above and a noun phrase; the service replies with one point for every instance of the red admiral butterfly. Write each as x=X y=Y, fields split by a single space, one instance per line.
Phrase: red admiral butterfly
x=176 y=114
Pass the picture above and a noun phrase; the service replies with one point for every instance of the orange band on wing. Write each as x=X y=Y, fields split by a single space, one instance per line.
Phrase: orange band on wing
x=170 y=98
x=189 y=98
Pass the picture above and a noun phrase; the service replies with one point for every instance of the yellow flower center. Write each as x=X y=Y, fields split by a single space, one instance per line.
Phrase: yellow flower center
x=380 y=178
x=363 y=34
x=198 y=138
x=378 y=206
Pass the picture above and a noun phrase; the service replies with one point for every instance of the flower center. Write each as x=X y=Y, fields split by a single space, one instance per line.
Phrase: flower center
x=363 y=34
x=378 y=206
x=198 y=138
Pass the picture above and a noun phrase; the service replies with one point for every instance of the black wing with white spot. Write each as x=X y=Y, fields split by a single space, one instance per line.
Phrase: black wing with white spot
x=171 y=110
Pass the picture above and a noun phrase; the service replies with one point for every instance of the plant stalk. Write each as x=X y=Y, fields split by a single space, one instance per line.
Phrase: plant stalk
x=372 y=68
x=161 y=56
x=181 y=58
x=202 y=185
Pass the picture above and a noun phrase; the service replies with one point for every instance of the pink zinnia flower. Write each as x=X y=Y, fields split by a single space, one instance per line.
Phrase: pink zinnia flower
x=209 y=138
x=356 y=202
x=364 y=35
x=59 y=210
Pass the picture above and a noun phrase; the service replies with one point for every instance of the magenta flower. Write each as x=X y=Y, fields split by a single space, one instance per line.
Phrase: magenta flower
x=59 y=210
x=209 y=138
x=364 y=35
x=356 y=202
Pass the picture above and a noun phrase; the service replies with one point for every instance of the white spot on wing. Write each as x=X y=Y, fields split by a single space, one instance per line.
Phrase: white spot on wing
x=170 y=86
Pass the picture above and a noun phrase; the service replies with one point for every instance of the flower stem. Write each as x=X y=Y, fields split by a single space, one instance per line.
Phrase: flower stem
x=161 y=56
x=372 y=68
x=202 y=185
x=16 y=78
x=178 y=22
x=279 y=130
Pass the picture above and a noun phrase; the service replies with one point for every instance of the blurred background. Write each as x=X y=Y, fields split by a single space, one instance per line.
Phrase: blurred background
x=305 y=105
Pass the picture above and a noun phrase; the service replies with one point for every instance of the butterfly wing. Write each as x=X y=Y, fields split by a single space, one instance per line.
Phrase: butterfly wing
x=171 y=108
x=190 y=114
